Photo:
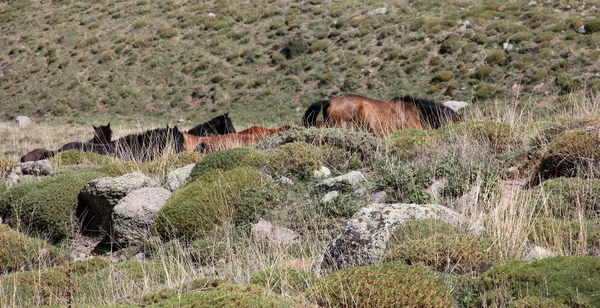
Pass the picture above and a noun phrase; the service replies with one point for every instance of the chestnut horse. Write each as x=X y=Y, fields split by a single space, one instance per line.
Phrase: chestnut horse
x=377 y=116
x=244 y=138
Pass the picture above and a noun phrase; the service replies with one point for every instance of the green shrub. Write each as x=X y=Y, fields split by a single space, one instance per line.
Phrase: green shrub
x=571 y=154
x=536 y=302
x=461 y=177
x=486 y=91
x=224 y=294
x=412 y=142
x=419 y=229
x=166 y=33
x=253 y=203
x=76 y=157
x=592 y=26
x=447 y=253
x=483 y=72
x=6 y=164
x=386 y=285
x=19 y=252
x=500 y=137
x=220 y=160
x=283 y=280
x=318 y=46
x=572 y=281
x=405 y=184
x=450 y=46
x=442 y=76
x=496 y=57
x=567 y=198
x=205 y=203
x=46 y=208
x=294 y=46
x=570 y=237
x=539 y=134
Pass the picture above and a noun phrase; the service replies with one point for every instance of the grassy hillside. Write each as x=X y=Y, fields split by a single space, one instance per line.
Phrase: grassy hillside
x=265 y=61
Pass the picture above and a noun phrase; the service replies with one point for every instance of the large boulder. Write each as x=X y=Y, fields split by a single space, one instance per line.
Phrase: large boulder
x=366 y=236
x=98 y=198
x=135 y=213
x=40 y=167
x=176 y=178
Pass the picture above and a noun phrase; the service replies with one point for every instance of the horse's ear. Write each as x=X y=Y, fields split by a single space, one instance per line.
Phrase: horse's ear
x=167 y=125
x=94 y=127
x=226 y=114
x=175 y=128
x=108 y=125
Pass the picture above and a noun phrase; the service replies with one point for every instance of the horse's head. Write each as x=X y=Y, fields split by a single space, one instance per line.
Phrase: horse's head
x=226 y=126
x=102 y=134
x=203 y=147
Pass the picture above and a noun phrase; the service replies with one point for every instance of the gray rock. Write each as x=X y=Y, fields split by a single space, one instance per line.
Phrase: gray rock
x=365 y=238
x=507 y=46
x=285 y=180
x=435 y=190
x=323 y=172
x=139 y=257
x=379 y=196
x=40 y=167
x=22 y=121
x=274 y=234
x=135 y=213
x=379 y=11
x=455 y=105
x=580 y=30
x=342 y=182
x=98 y=197
x=178 y=177
x=537 y=252
x=330 y=197
x=181 y=120
x=361 y=192
x=213 y=15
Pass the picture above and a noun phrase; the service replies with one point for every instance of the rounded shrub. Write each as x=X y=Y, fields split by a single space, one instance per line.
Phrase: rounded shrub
x=447 y=253
x=566 y=198
x=283 y=280
x=205 y=203
x=46 y=208
x=571 y=154
x=572 y=281
x=19 y=252
x=294 y=46
x=220 y=160
x=386 y=285
x=76 y=157
x=411 y=142
x=500 y=137
x=405 y=184
x=419 y=229
x=570 y=237
x=483 y=72
x=592 y=26
x=539 y=134
x=442 y=76
x=496 y=57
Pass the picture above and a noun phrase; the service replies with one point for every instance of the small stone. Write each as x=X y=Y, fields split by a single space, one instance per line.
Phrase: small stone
x=379 y=197
x=213 y=15
x=538 y=88
x=285 y=180
x=274 y=234
x=532 y=3
x=181 y=121
x=379 y=11
x=507 y=46
x=342 y=182
x=580 y=30
x=322 y=172
x=22 y=121
x=139 y=257
x=537 y=253
x=330 y=197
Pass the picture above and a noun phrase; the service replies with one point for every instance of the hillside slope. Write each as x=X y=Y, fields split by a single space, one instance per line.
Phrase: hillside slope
x=265 y=61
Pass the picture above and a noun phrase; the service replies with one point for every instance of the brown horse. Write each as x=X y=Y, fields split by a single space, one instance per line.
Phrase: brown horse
x=244 y=138
x=377 y=116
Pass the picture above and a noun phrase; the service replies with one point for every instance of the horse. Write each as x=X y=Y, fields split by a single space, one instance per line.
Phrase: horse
x=102 y=135
x=378 y=116
x=244 y=138
x=147 y=145
x=218 y=125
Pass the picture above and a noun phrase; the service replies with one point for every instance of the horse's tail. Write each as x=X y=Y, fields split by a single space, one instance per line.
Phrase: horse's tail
x=433 y=115
x=310 y=116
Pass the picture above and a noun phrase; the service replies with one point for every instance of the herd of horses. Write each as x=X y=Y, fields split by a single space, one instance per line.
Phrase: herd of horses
x=350 y=111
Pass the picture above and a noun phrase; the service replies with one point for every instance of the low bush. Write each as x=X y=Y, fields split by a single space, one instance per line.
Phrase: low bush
x=567 y=198
x=566 y=236
x=283 y=280
x=18 y=252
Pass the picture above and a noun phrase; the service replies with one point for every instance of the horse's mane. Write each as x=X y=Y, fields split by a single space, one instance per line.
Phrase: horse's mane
x=216 y=126
x=146 y=145
x=433 y=114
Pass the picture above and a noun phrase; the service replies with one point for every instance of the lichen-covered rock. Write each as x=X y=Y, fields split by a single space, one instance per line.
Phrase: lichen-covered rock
x=18 y=252
x=342 y=182
x=98 y=198
x=40 y=167
x=573 y=281
x=176 y=178
x=387 y=285
x=46 y=207
x=274 y=234
x=366 y=236
x=135 y=213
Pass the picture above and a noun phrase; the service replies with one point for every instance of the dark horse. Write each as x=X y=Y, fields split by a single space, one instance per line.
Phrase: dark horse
x=102 y=135
x=148 y=145
x=377 y=116
x=218 y=125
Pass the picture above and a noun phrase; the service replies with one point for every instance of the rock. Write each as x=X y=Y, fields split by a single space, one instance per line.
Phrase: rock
x=342 y=182
x=466 y=203
x=213 y=15
x=323 y=172
x=465 y=25
x=365 y=238
x=539 y=88
x=379 y=11
x=379 y=197
x=274 y=234
x=285 y=180
x=139 y=257
x=135 y=213
x=177 y=177
x=361 y=192
x=532 y=3
x=537 y=252
x=580 y=30
x=40 y=167
x=435 y=190
x=507 y=46
x=455 y=105
x=22 y=121
x=330 y=197
x=181 y=121
x=98 y=198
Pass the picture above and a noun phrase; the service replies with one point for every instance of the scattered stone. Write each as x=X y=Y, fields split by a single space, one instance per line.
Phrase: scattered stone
x=274 y=234
x=539 y=87
x=435 y=190
x=322 y=172
x=342 y=182
x=181 y=121
x=22 y=121
x=365 y=238
x=213 y=15
x=465 y=25
x=379 y=11
x=285 y=180
x=455 y=105
x=507 y=46
x=532 y=3
x=176 y=178
x=580 y=30
x=135 y=213
x=537 y=252
x=37 y=168
x=98 y=197
x=379 y=197
x=361 y=192
x=139 y=257
x=330 y=197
